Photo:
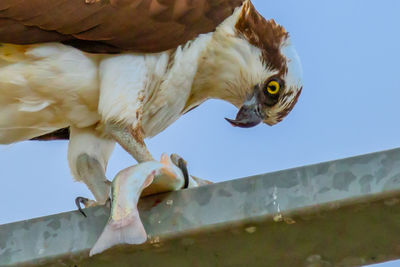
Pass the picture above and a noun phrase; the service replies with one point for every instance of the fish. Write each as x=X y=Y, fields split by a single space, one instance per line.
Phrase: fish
x=124 y=225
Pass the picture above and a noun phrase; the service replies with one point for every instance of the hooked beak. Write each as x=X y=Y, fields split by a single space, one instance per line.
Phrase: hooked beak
x=248 y=115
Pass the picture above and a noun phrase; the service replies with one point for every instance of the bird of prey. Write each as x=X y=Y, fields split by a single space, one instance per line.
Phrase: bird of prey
x=98 y=72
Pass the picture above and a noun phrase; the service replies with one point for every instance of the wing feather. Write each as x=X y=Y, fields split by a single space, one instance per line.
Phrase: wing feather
x=111 y=25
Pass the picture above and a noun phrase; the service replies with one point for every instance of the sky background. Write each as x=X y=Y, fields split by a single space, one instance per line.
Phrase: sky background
x=350 y=57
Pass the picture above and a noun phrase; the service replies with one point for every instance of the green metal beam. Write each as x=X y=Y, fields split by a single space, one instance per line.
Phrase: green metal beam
x=339 y=213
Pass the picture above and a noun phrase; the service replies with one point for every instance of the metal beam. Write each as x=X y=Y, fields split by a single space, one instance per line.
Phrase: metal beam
x=339 y=213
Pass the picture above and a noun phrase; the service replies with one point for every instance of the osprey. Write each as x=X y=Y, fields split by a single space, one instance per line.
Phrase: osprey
x=106 y=71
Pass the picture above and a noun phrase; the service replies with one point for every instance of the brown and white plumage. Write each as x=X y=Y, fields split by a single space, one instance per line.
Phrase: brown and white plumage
x=124 y=70
x=111 y=26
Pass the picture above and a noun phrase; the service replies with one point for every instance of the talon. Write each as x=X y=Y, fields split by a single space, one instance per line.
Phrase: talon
x=78 y=202
x=181 y=163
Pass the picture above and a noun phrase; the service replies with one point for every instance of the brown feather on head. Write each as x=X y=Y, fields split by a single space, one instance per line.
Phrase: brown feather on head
x=277 y=93
x=267 y=35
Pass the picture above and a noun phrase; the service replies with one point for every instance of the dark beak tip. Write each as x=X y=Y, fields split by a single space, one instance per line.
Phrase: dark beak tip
x=236 y=123
x=232 y=122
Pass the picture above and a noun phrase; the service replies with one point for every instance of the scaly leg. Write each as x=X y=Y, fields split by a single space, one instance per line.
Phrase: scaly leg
x=92 y=173
x=88 y=155
x=131 y=140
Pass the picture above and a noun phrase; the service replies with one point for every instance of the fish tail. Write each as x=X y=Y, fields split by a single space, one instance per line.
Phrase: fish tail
x=128 y=230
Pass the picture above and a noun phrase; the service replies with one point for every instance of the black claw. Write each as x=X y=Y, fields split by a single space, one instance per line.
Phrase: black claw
x=78 y=202
x=183 y=167
x=181 y=164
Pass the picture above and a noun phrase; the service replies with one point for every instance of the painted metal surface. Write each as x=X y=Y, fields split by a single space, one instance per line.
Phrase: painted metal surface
x=339 y=213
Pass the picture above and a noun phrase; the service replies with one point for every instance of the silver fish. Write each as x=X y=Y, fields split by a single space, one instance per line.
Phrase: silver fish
x=124 y=225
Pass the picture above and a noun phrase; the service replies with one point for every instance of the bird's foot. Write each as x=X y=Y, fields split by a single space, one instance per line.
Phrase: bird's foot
x=92 y=174
x=190 y=181
x=168 y=183
x=87 y=203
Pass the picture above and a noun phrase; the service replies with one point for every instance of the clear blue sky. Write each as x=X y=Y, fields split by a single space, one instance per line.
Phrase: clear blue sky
x=350 y=55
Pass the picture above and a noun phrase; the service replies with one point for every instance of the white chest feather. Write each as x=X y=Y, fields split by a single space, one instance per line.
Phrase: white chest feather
x=167 y=104
x=148 y=89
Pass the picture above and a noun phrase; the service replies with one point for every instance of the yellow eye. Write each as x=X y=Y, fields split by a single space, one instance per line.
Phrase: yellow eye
x=273 y=87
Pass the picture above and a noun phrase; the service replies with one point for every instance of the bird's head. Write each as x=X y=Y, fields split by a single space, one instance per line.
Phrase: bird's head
x=272 y=82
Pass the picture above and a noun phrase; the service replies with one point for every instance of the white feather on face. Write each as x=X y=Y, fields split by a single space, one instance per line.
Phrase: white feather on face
x=244 y=55
x=229 y=67
x=293 y=86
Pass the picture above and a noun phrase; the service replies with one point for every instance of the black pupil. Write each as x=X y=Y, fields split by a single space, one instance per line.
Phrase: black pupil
x=272 y=88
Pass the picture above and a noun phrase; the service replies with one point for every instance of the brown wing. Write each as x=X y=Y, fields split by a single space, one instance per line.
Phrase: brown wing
x=111 y=25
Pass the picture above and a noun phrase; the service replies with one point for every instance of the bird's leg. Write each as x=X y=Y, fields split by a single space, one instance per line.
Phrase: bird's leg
x=94 y=177
x=92 y=174
x=131 y=139
x=88 y=153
